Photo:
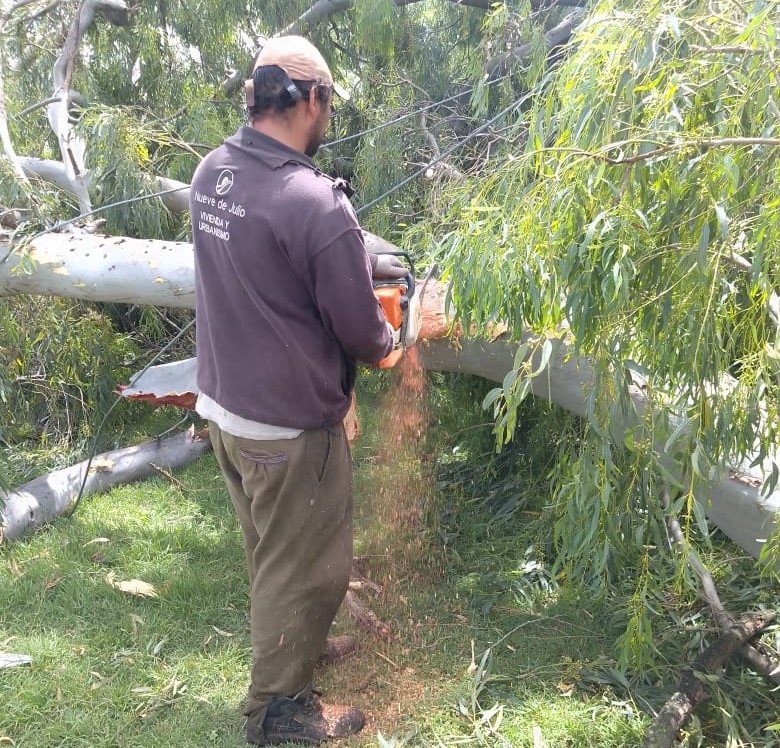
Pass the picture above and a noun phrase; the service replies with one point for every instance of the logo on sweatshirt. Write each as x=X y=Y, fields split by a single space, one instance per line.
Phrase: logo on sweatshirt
x=224 y=182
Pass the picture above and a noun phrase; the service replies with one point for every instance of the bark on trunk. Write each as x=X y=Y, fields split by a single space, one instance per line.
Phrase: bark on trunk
x=109 y=268
x=36 y=503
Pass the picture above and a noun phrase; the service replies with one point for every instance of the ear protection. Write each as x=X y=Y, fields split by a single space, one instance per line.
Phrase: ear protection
x=291 y=91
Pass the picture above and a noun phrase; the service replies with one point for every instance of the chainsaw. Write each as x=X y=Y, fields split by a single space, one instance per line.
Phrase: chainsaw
x=401 y=307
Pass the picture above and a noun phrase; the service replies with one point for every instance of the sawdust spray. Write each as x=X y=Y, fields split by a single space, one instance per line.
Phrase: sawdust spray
x=404 y=497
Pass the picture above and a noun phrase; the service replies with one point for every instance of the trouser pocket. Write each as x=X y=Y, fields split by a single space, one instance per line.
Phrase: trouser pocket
x=263 y=456
x=320 y=448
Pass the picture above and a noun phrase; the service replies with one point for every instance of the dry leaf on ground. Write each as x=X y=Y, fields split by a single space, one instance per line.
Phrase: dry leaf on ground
x=132 y=586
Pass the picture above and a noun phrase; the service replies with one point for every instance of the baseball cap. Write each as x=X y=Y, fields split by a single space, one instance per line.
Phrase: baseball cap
x=300 y=59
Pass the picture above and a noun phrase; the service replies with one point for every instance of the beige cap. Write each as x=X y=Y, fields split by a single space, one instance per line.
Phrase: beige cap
x=299 y=58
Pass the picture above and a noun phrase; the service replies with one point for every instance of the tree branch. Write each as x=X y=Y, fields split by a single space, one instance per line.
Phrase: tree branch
x=5 y=15
x=50 y=171
x=691 y=690
x=323 y=9
x=319 y=11
x=42 y=12
x=72 y=147
x=751 y=655
x=36 y=503
x=668 y=148
x=555 y=37
x=487 y=4
x=440 y=169
x=176 y=197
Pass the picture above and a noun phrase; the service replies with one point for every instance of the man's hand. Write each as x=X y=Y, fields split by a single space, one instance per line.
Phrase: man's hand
x=386 y=267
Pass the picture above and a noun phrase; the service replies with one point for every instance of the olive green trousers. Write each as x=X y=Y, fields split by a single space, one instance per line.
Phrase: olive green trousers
x=293 y=498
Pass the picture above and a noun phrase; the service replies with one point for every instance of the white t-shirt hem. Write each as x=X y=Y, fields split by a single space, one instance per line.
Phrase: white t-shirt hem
x=243 y=428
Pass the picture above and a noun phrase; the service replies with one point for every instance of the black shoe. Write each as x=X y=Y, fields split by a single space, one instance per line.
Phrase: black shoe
x=304 y=720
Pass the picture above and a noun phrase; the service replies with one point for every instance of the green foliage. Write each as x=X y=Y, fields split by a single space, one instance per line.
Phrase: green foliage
x=640 y=609
x=122 y=166
x=640 y=218
x=375 y=29
x=60 y=363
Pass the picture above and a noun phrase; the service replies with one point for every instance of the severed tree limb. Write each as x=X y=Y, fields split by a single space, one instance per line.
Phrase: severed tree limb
x=692 y=690
x=36 y=503
x=358 y=578
x=750 y=654
x=365 y=617
x=355 y=606
x=358 y=585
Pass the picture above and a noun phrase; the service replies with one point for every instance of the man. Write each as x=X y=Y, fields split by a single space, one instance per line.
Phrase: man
x=285 y=308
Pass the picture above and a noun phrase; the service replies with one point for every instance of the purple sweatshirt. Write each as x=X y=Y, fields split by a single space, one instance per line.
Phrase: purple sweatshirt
x=284 y=301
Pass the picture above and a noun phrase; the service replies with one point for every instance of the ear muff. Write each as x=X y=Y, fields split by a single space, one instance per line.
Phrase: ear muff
x=291 y=92
x=249 y=93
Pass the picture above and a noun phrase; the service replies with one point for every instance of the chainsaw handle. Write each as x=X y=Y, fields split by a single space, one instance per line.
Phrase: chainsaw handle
x=409 y=275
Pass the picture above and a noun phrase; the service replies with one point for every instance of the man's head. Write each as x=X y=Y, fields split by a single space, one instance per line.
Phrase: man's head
x=292 y=81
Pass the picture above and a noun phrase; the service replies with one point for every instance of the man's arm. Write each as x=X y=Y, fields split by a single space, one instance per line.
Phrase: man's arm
x=341 y=277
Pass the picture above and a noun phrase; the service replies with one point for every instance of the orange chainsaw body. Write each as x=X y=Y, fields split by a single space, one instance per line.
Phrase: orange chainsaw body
x=401 y=309
x=392 y=298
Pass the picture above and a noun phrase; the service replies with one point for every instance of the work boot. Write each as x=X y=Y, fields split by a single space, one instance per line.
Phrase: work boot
x=339 y=648
x=304 y=719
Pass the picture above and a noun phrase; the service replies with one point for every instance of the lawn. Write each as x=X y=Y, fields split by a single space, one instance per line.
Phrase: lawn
x=486 y=649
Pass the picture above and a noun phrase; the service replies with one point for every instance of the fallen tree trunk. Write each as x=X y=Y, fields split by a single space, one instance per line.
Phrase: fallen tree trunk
x=108 y=268
x=734 y=501
x=161 y=273
x=36 y=503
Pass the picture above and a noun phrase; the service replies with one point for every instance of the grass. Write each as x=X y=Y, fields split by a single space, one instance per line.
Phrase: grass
x=486 y=649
